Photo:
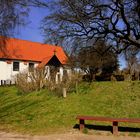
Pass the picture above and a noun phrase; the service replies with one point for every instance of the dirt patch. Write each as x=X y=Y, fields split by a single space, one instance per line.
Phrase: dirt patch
x=78 y=136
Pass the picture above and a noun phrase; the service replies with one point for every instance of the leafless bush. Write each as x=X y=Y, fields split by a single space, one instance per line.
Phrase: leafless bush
x=38 y=78
x=113 y=78
x=31 y=81
x=68 y=82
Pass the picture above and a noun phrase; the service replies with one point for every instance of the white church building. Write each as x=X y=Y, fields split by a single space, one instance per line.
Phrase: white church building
x=18 y=55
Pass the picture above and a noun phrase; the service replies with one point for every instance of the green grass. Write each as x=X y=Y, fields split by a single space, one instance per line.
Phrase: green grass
x=43 y=113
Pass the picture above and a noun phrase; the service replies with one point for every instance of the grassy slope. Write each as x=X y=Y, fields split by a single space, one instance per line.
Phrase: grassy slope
x=40 y=112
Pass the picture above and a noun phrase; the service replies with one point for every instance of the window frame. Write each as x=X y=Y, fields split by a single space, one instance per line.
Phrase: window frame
x=31 y=66
x=16 y=66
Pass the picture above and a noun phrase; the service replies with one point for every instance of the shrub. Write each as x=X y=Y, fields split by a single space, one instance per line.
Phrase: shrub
x=70 y=83
x=29 y=81
x=36 y=80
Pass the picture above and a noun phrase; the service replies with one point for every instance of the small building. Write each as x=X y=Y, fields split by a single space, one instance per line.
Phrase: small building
x=18 y=55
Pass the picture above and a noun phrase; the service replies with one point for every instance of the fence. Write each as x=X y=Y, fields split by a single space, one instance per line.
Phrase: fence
x=6 y=82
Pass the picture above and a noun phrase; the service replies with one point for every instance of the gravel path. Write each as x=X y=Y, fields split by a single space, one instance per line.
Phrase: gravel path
x=79 y=136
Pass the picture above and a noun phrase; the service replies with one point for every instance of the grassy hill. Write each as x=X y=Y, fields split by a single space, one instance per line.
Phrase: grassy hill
x=42 y=112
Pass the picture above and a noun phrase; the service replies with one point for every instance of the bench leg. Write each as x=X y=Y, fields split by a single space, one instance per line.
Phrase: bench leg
x=82 y=124
x=115 y=128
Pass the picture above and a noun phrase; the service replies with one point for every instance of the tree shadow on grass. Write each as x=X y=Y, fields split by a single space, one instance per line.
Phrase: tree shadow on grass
x=109 y=128
x=18 y=109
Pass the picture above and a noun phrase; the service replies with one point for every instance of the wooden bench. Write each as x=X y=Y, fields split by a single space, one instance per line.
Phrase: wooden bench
x=114 y=121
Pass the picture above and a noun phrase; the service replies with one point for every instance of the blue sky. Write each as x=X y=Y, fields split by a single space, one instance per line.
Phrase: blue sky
x=122 y=62
x=32 y=31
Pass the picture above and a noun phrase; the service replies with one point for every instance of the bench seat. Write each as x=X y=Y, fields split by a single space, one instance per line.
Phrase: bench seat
x=114 y=121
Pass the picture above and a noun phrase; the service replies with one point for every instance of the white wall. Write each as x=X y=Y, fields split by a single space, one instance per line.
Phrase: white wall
x=61 y=71
x=7 y=73
x=69 y=72
x=48 y=72
x=59 y=75
x=6 y=70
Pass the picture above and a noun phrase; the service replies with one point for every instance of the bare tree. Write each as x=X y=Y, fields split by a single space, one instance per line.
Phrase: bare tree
x=131 y=57
x=117 y=21
x=12 y=13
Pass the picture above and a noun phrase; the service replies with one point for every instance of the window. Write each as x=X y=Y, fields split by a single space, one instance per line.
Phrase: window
x=31 y=66
x=15 y=66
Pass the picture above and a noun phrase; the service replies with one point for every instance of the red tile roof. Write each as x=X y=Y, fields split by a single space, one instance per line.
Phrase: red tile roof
x=31 y=51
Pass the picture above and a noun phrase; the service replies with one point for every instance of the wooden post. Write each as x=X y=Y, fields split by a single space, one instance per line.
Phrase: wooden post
x=115 y=128
x=4 y=82
x=64 y=93
x=10 y=82
x=81 y=124
x=76 y=86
